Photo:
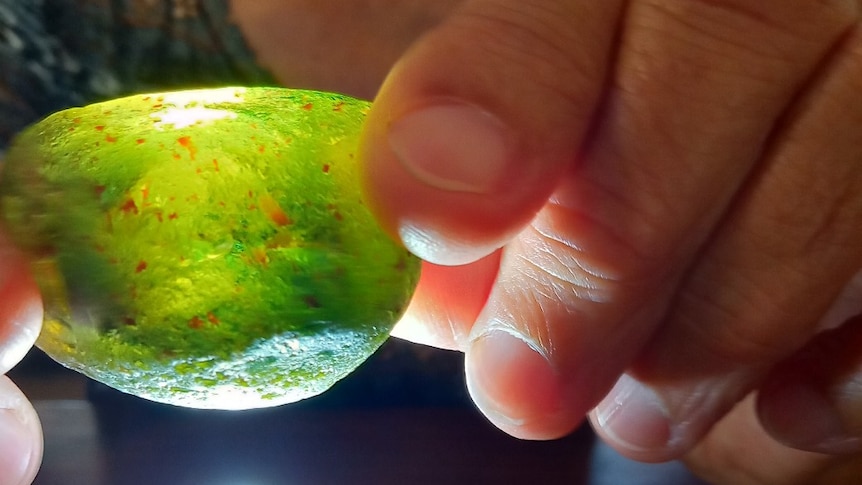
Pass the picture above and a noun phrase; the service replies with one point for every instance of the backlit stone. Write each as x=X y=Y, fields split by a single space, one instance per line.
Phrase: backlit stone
x=206 y=248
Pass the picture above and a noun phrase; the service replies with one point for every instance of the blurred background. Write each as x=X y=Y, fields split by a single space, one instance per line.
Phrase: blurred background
x=404 y=416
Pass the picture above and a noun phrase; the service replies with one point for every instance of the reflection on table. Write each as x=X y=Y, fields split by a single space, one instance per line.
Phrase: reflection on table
x=404 y=417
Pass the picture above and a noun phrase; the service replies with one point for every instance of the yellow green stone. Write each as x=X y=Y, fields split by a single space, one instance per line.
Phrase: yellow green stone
x=206 y=248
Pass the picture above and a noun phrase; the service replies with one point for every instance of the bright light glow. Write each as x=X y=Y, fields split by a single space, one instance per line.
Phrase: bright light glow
x=179 y=118
x=195 y=97
x=188 y=108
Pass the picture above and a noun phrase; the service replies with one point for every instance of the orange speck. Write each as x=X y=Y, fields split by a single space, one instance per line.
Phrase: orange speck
x=142 y=265
x=212 y=318
x=145 y=191
x=100 y=127
x=77 y=121
x=308 y=106
x=215 y=165
x=274 y=211
x=325 y=168
x=110 y=139
x=186 y=142
x=177 y=156
x=172 y=216
x=129 y=207
x=259 y=255
x=140 y=141
x=196 y=322
x=334 y=209
x=261 y=149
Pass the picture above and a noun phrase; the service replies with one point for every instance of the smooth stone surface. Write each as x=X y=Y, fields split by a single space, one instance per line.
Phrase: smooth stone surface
x=206 y=248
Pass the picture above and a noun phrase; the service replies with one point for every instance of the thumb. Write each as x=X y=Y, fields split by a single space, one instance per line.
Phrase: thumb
x=478 y=120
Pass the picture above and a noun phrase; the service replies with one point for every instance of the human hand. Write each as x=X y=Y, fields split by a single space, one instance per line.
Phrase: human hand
x=676 y=189
x=20 y=321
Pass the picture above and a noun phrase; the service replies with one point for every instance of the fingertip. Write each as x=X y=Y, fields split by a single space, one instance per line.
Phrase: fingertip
x=803 y=417
x=20 y=437
x=517 y=388
x=813 y=401
x=462 y=145
x=633 y=420
x=447 y=178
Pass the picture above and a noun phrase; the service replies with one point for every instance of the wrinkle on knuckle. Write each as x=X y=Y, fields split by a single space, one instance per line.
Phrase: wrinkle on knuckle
x=539 y=42
x=813 y=20
x=599 y=254
x=632 y=238
x=735 y=324
x=753 y=41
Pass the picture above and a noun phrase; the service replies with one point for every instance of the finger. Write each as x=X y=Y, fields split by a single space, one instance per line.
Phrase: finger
x=475 y=124
x=738 y=451
x=446 y=303
x=20 y=436
x=335 y=46
x=697 y=91
x=789 y=244
x=20 y=306
x=814 y=401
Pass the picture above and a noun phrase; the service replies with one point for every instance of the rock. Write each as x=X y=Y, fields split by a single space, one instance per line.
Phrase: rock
x=206 y=248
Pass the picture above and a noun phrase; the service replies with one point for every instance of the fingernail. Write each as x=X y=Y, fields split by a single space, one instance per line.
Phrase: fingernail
x=439 y=249
x=510 y=381
x=454 y=147
x=803 y=417
x=633 y=416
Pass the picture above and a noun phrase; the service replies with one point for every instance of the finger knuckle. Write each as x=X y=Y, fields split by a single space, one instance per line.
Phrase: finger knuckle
x=540 y=41
x=772 y=30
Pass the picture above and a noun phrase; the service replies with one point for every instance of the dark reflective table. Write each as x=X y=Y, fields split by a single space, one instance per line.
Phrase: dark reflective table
x=403 y=418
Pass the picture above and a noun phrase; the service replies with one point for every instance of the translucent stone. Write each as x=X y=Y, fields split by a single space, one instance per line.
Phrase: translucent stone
x=206 y=248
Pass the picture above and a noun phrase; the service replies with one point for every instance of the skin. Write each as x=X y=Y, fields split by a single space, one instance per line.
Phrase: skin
x=650 y=218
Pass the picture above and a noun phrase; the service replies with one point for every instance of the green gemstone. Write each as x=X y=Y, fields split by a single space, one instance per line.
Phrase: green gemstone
x=206 y=248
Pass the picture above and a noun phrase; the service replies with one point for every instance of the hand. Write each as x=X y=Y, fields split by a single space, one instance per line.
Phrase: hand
x=654 y=204
x=20 y=321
